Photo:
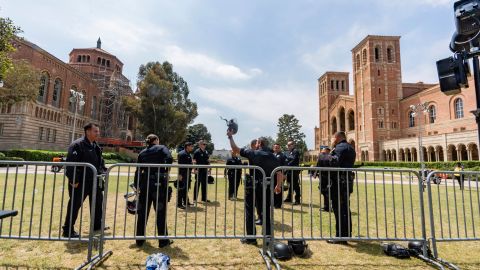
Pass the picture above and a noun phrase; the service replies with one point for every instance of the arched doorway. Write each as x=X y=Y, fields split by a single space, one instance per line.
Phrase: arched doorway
x=473 y=151
x=341 y=115
x=452 y=153
x=431 y=153
x=414 y=154
x=408 y=155
x=441 y=157
x=401 y=155
x=394 y=155
x=351 y=120
x=334 y=125
x=463 y=152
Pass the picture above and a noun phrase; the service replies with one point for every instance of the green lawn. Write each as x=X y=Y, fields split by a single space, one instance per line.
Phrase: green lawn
x=392 y=213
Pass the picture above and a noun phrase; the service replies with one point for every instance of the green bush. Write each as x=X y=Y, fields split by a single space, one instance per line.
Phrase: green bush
x=444 y=166
x=2 y=155
x=43 y=155
x=9 y=159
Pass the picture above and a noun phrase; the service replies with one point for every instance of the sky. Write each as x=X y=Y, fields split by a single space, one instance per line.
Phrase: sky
x=253 y=60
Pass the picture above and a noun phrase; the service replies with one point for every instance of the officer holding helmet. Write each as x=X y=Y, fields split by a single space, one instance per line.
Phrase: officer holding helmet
x=151 y=184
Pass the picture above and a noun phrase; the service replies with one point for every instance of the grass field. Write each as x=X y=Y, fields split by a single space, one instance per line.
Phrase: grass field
x=384 y=206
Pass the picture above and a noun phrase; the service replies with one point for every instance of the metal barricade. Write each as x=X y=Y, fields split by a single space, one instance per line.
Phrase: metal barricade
x=140 y=210
x=380 y=205
x=41 y=198
x=454 y=207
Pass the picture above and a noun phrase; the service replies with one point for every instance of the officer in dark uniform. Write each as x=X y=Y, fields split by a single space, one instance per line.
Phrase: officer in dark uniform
x=343 y=156
x=324 y=160
x=184 y=176
x=277 y=151
x=234 y=176
x=80 y=179
x=152 y=186
x=264 y=158
x=253 y=194
x=293 y=160
x=201 y=157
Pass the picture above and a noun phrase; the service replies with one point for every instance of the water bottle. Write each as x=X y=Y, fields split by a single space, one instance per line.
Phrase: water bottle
x=158 y=261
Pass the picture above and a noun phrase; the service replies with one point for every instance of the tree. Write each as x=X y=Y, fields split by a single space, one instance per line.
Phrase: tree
x=200 y=132
x=8 y=31
x=21 y=83
x=289 y=129
x=165 y=108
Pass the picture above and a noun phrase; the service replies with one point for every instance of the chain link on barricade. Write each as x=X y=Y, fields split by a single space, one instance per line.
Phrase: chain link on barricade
x=454 y=207
x=47 y=202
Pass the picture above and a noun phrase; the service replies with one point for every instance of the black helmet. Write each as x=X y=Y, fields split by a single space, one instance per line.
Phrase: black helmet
x=131 y=205
x=231 y=124
x=282 y=251
x=299 y=247
x=211 y=180
x=416 y=248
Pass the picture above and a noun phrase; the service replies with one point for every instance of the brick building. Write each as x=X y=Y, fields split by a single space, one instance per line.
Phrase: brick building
x=378 y=119
x=47 y=123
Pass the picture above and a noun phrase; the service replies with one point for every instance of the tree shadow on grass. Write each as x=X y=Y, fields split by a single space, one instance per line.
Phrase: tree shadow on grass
x=278 y=226
x=370 y=248
x=174 y=251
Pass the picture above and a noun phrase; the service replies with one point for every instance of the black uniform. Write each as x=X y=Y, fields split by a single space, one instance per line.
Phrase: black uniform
x=343 y=156
x=324 y=160
x=265 y=159
x=277 y=198
x=153 y=185
x=234 y=177
x=184 y=185
x=201 y=158
x=82 y=150
x=293 y=160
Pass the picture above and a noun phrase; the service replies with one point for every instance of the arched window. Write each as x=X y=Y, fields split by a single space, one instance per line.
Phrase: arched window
x=351 y=120
x=380 y=123
x=88 y=58
x=389 y=55
x=411 y=118
x=379 y=91
x=71 y=100
x=334 y=125
x=331 y=84
x=364 y=56
x=458 y=108
x=57 y=93
x=357 y=61
x=380 y=110
x=336 y=85
x=99 y=61
x=377 y=54
x=79 y=58
x=343 y=85
x=43 y=89
x=108 y=63
x=84 y=58
x=432 y=114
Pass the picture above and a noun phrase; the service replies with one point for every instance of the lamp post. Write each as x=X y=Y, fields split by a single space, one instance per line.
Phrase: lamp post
x=77 y=99
x=416 y=111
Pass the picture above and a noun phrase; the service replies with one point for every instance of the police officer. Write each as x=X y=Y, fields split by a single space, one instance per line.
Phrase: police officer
x=324 y=160
x=253 y=194
x=293 y=160
x=184 y=175
x=343 y=156
x=80 y=179
x=152 y=186
x=201 y=157
x=264 y=158
x=234 y=176
x=277 y=151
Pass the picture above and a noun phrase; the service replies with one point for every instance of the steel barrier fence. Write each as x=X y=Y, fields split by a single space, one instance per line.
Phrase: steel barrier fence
x=385 y=204
x=217 y=218
x=454 y=207
x=41 y=198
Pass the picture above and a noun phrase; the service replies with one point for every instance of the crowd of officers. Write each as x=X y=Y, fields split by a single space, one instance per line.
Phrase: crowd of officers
x=152 y=183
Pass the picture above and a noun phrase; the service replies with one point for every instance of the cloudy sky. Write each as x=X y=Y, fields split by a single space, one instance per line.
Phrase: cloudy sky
x=253 y=60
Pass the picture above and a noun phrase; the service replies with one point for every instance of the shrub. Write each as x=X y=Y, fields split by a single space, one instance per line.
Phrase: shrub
x=9 y=159
x=2 y=155
x=43 y=155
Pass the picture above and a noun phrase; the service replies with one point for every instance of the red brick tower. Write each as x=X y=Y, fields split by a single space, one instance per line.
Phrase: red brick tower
x=378 y=89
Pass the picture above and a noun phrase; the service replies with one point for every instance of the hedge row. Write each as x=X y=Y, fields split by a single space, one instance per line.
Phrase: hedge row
x=43 y=155
x=9 y=159
x=447 y=165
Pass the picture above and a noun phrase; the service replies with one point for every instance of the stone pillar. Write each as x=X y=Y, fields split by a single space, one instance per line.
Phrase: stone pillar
x=459 y=155
x=469 y=153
